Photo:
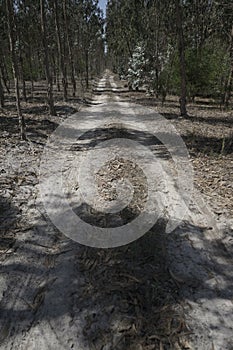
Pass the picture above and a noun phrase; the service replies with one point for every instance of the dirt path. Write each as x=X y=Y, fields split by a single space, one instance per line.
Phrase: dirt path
x=200 y=259
x=167 y=290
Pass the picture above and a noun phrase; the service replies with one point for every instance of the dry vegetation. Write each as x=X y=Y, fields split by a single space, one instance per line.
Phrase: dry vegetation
x=141 y=308
x=208 y=135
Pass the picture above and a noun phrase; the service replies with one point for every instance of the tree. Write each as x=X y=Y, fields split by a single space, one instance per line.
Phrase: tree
x=137 y=71
x=1 y=94
x=181 y=49
x=229 y=82
x=91 y=30
x=2 y=97
x=180 y=39
x=61 y=50
x=46 y=59
x=71 y=58
x=124 y=30
x=12 y=41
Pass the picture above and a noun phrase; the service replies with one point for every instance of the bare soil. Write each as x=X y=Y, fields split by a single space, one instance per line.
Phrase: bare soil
x=208 y=134
x=56 y=294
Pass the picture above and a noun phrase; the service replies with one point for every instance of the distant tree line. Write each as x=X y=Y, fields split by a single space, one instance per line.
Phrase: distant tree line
x=56 y=40
x=182 y=47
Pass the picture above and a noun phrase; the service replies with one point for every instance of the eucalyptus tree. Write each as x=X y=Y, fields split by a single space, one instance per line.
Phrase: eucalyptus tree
x=48 y=39
x=160 y=43
x=225 y=28
x=59 y=23
x=181 y=50
x=46 y=58
x=90 y=33
x=1 y=94
x=4 y=49
x=124 y=31
x=229 y=82
x=12 y=33
x=67 y=15
x=188 y=45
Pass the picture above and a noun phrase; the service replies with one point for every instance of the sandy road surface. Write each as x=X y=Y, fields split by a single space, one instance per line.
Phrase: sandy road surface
x=42 y=284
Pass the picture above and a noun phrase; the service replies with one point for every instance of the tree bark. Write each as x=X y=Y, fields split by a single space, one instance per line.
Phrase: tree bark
x=4 y=72
x=60 y=51
x=31 y=71
x=12 y=40
x=2 y=99
x=1 y=94
x=46 y=60
x=71 y=59
x=181 y=48
x=229 y=83
x=21 y=71
x=87 y=67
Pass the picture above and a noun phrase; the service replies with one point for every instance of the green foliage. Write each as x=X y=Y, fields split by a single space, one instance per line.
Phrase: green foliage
x=142 y=39
x=138 y=68
x=85 y=32
x=206 y=70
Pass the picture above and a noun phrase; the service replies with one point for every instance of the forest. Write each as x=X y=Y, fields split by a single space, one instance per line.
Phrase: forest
x=183 y=48
x=116 y=174
x=54 y=41
x=171 y=47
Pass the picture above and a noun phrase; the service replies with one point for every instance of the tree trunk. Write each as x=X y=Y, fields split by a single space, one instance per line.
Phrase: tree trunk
x=4 y=78
x=57 y=80
x=60 y=51
x=228 y=89
x=1 y=85
x=157 y=82
x=22 y=73
x=1 y=94
x=87 y=68
x=46 y=60
x=181 y=48
x=167 y=81
x=70 y=50
x=24 y=90
x=4 y=73
x=31 y=72
x=55 y=62
x=12 y=40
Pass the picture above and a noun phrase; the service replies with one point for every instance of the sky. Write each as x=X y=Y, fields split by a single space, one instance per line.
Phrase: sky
x=103 y=5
